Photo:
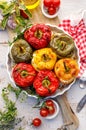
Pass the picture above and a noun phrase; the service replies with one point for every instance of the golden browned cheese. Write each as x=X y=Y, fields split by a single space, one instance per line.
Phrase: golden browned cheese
x=66 y=70
x=44 y=59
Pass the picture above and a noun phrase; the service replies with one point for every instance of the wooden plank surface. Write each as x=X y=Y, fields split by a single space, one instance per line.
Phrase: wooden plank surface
x=67 y=112
x=38 y=17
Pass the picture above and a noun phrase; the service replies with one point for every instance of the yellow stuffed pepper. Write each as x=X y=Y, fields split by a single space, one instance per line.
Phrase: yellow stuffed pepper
x=44 y=59
x=66 y=70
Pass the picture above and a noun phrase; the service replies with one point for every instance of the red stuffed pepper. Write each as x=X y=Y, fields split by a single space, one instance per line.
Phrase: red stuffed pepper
x=23 y=74
x=38 y=36
x=46 y=83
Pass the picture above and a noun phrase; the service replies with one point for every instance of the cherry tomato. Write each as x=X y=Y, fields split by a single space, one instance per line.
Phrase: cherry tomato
x=36 y=122
x=51 y=10
x=48 y=3
x=51 y=110
x=44 y=112
x=49 y=103
x=23 y=14
x=56 y=3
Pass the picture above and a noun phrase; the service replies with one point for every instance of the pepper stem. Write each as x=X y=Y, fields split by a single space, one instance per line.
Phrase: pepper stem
x=46 y=82
x=46 y=58
x=24 y=73
x=38 y=34
x=67 y=69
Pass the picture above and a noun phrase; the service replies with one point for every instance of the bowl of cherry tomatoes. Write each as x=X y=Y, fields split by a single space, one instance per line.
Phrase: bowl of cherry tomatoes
x=50 y=8
x=49 y=109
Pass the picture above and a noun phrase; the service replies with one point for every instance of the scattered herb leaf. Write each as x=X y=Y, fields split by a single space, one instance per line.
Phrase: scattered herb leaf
x=8 y=117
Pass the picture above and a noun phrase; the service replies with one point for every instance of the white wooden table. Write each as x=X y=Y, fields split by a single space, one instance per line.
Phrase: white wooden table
x=74 y=95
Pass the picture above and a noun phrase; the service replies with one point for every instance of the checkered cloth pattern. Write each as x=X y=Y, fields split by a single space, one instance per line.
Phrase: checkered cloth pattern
x=78 y=32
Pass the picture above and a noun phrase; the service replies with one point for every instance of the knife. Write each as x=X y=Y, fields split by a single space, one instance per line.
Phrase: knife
x=81 y=103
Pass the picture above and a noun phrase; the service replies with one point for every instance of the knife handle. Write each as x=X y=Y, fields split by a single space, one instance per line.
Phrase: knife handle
x=67 y=112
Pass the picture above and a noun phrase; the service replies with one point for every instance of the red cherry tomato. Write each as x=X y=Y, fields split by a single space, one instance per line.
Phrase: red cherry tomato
x=51 y=10
x=56 y=3
x=48 y=3
x=44 y=112
x=51 y=3
x=36 y=122
x=49 y=103
x=51 y=110
x=23 y=14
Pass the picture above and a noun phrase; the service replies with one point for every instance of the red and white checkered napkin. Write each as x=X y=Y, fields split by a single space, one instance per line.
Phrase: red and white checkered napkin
x=78 y=32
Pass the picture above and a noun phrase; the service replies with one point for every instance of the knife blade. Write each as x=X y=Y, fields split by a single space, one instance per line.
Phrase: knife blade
x=81 y=103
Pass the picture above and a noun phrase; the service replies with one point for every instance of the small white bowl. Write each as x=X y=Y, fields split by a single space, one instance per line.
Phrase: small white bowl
x=45 y=13
x=56 y=110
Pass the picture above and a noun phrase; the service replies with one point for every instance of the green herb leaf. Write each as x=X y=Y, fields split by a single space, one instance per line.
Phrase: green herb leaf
x=8 y=10
x=20 y=34
x=3 y=5
x=28 y=12
x=4 y=21
x=8 y=118
x=17 y=91
x=22 y=6
x=20 y=20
